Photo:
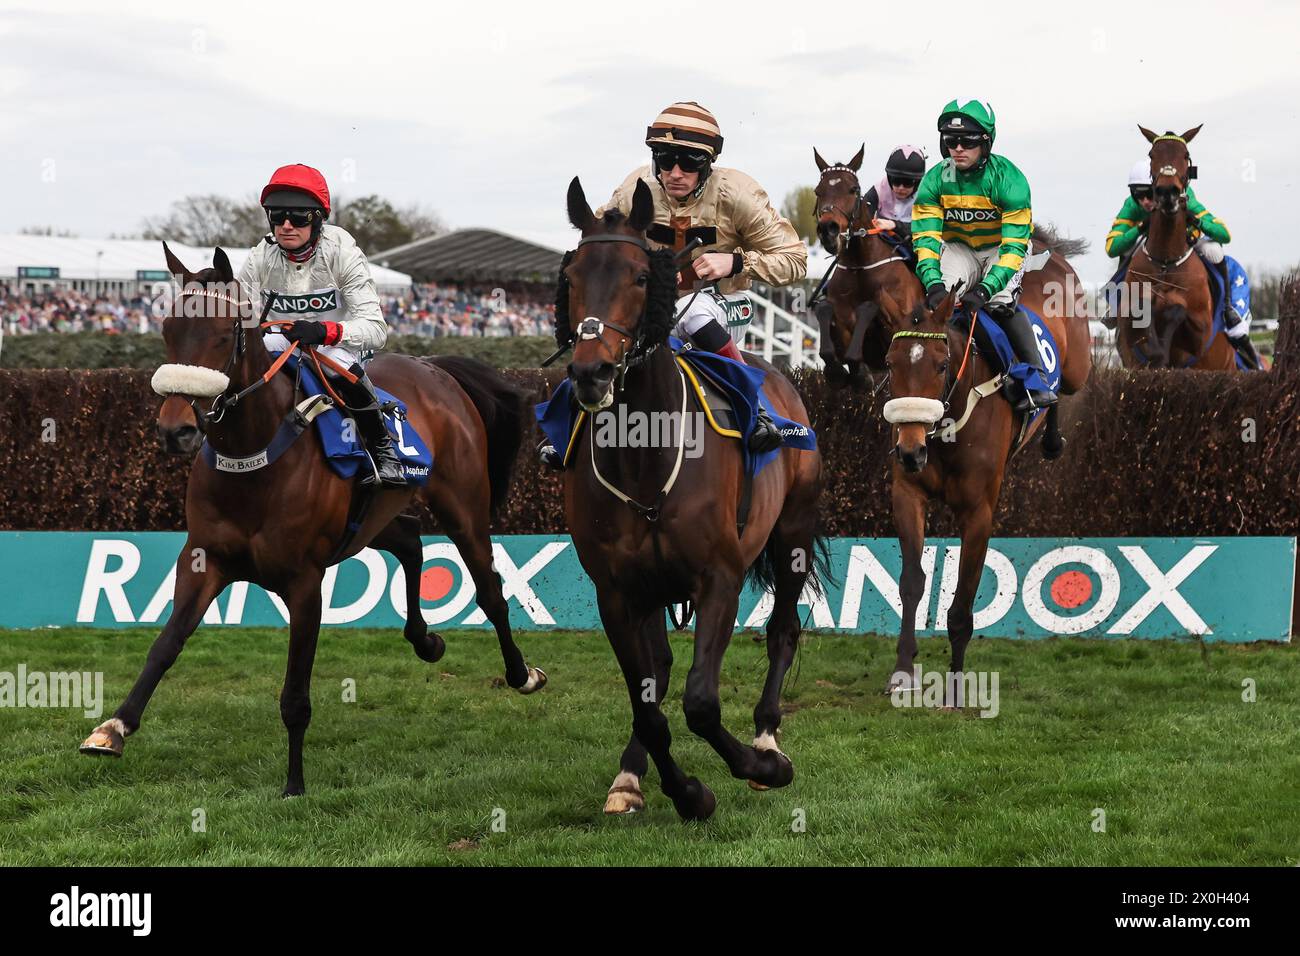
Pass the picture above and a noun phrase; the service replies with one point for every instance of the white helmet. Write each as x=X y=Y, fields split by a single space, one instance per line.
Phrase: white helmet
x=1140 y=174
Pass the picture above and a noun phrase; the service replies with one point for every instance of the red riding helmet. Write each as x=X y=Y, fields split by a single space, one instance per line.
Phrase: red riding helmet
x=292 y=185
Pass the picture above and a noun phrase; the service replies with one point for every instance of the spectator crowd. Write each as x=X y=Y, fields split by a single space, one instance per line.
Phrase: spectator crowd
x=426 y=309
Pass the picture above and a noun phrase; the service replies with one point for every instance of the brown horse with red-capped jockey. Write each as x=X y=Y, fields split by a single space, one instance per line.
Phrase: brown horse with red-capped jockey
x=854 y=330
x=282 y=524
x=943 y=386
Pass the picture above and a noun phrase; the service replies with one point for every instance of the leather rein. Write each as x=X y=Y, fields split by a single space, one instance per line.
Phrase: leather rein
x=227 y=400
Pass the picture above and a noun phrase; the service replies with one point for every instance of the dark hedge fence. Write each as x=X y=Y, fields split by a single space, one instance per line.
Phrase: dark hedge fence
x=88 y=350
x=1148 y=453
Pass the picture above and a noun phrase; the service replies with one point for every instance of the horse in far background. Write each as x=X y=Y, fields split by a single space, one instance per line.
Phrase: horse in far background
x=855 y=330
x=1165 y=310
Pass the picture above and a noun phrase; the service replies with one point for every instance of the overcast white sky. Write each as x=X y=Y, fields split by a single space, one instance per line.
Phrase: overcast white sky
x=484 y=111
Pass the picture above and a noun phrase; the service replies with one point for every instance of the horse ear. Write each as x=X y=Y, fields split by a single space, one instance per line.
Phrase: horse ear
x=944 y=312
x=821 y=163
x=1151 y=137
x=221 y=262
x=643 y=207
x=580 y=214
x=1187 y=137
x=856 y=162
x=174 y=265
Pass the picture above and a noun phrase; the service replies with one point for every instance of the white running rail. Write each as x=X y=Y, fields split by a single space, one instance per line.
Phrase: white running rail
x=777 y=334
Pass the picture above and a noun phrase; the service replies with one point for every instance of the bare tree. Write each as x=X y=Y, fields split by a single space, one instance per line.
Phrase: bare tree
x=377 y=224
x=210 y=221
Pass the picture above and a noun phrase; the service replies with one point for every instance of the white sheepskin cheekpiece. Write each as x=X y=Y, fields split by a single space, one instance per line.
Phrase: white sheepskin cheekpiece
x=908 y=411
x=194 y=380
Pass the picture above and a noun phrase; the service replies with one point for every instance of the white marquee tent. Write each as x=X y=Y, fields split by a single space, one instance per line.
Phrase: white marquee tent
x=116 y=266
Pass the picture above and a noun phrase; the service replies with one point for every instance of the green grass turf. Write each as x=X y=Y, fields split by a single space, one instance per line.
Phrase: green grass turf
x=1156 y=734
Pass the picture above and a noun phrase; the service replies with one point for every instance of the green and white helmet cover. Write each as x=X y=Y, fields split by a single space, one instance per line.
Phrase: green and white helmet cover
x=959 y=114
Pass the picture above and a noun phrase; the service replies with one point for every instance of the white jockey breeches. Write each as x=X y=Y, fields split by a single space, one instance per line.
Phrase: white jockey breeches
x=1210 y=250
x=961 y=263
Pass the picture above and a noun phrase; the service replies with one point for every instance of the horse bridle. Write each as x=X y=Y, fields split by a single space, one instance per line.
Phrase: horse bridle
x=849 y=233
x=221 y=403
x=1184 y=180
x=592 y=327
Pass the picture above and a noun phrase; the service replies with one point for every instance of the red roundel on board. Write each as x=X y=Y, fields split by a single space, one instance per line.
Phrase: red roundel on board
x=1071 y=589
x=436 y=583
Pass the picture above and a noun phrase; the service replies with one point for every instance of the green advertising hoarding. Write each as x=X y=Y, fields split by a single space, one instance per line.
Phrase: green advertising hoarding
x=1222 y=589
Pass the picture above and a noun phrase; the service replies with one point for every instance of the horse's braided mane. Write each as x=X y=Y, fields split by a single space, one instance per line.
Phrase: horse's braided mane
x=563 y=327
x=661 y=294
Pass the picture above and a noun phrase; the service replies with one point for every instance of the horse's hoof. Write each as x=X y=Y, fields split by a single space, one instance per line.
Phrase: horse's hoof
x=899 y=681
x=429 y=647
x=105 y=741
x=782 y=773
x=536 y=681
x=292 y=792
x=625 y=795
x=698 y=806
x=754 y=785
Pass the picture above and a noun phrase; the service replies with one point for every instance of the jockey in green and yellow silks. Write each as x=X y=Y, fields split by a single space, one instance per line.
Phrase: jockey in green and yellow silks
x=971 y=223
x=1205 y=230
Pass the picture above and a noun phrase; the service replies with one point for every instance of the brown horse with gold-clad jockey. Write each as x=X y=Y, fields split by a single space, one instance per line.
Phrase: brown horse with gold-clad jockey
x=654 y=527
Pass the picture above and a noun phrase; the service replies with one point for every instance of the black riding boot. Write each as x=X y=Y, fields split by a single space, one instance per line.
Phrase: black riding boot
x=549 y=457
x=1015 y=324
x=364 y=408
x=1244 y=346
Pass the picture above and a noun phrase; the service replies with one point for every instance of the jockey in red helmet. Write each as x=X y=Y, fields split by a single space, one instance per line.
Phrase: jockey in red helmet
x=315 y=275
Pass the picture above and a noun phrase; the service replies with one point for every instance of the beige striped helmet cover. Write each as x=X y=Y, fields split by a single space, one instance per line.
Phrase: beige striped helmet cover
x=686 y=124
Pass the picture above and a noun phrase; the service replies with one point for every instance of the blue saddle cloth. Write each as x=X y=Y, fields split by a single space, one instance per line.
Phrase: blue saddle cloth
x=1024 y=376
x=346 y=455
x=743 y=384
x=1240 y=295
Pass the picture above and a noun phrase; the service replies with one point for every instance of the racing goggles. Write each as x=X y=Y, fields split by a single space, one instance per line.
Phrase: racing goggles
x=690 y=161
x=298 y=218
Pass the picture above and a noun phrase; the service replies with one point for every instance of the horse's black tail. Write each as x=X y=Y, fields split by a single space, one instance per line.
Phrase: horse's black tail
x=762 y=573
x=1046 y=237
x=500 y=404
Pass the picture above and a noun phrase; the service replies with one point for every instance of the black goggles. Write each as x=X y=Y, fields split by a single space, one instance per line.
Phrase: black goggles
x=297 y=217
x=899 y=180
x=688 y=160
x=952 y=141
x=1141 y=192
